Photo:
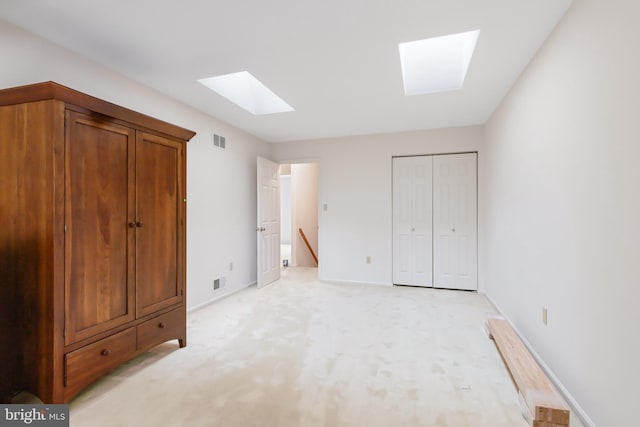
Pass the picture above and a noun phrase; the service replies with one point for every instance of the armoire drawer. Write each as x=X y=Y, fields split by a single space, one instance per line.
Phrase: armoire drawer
x=89 y=363
x=160 y=329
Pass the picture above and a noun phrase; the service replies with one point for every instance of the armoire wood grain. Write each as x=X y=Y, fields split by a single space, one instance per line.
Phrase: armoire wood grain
x=92 y=238
x=158 y=225
x=99 y=285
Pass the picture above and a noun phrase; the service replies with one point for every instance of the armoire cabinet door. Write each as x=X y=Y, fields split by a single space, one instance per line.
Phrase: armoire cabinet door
x=98 y=207
x=159 y=216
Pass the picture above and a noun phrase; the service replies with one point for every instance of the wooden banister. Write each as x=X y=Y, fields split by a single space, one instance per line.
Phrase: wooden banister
x=313 y=254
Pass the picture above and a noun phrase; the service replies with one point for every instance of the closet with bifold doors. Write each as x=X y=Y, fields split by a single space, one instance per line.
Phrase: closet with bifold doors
x=435 y=221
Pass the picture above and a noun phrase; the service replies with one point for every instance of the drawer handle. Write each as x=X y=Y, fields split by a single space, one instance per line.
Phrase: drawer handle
x=105 y=352
x=161 y=325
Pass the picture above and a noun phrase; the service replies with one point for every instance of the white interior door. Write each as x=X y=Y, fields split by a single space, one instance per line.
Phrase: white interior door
x=268 y=229
x=455 y=221
x=412 y=221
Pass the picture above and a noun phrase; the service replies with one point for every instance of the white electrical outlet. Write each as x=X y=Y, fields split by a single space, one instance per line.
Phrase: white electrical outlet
x=368 y=259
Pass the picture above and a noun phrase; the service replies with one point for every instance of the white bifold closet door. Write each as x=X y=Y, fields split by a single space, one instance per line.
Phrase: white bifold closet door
x=455 y=258
x=435 y=221
x=412 y=221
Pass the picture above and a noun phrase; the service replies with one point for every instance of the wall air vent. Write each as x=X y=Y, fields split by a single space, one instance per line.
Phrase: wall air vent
x=219 y=283
x=219 y=141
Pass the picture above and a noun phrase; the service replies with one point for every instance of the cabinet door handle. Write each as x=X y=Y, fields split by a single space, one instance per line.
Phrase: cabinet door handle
x=105 y=352
x=139 y=224
x=161 y=325
x=132 y=225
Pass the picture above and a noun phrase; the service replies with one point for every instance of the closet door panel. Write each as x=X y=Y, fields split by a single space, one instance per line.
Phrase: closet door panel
x=412 y=221
x=455 y=221
x=422 y=235
x=402 y=220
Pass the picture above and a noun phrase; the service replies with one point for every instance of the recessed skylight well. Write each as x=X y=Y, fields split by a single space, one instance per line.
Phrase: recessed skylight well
x=437 y=64
x=247 y=92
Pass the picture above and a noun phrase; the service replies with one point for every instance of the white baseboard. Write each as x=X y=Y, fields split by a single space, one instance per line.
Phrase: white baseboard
x=356 y=282
x=220 y=296
x=575 y=406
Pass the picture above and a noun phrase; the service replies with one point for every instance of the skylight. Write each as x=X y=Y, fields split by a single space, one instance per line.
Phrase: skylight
x=247 y=92
x=437 y=64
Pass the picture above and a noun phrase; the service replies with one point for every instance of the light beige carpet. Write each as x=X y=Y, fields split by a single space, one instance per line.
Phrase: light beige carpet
x=301 y=352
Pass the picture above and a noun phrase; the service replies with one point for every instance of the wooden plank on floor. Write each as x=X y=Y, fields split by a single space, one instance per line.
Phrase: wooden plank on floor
x=546 y=424
x=545 y=405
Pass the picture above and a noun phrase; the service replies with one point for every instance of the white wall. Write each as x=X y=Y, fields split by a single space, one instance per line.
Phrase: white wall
x=561 y=207
x=285 y=209
x=221 y=185
x=304 y=190
x=355 y=183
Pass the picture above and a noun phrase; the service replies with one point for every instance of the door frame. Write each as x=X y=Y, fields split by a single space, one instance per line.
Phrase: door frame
x=318 y=162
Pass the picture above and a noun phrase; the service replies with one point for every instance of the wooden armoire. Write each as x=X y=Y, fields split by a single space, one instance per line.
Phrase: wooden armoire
x=92 y=240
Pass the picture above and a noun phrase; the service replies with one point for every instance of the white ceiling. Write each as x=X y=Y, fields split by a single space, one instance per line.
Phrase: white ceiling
x=335 y=61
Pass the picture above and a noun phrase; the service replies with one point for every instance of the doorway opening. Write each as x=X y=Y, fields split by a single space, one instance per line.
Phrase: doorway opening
x=299 y=215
